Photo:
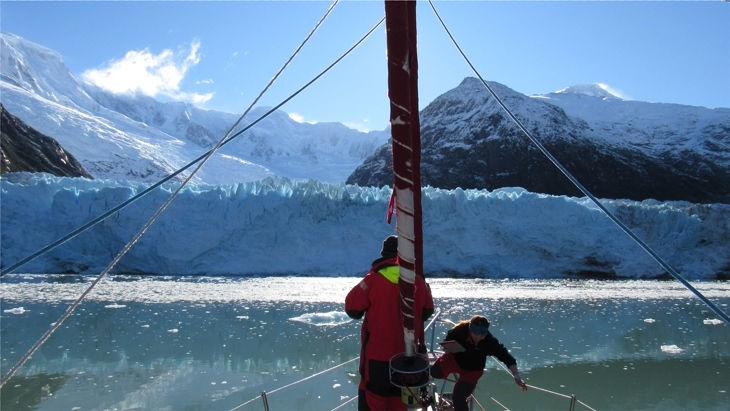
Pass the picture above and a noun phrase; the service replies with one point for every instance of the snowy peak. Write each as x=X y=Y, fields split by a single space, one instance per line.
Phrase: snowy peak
x=470 y=110
x=137 y=137
x=19 y=42
x=472 y=88
x=619 y=148
x=599 y=90
x=39 y=70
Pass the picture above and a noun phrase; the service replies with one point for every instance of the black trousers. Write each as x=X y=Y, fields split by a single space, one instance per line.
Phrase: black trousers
x=462 y=389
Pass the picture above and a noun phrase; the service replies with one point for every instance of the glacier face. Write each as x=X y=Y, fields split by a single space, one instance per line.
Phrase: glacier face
x=278 y=226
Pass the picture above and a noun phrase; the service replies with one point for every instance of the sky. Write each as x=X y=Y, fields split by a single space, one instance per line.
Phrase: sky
x=219 y=55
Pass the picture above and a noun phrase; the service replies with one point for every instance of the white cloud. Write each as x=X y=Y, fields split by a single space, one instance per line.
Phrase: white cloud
x=206 y=81
x=296 y=117
x=618 y=93
x=300 y=118
x=141 y=71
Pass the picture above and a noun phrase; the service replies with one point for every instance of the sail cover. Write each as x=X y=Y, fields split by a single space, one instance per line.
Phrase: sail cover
x=400 y=20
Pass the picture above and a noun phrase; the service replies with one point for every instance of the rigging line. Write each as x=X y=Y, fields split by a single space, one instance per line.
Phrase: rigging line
x=669 y=269
x=535 y=387
x=296 y=382
x=129 y=245
x=129 y=201
x=481 y=407
x=92 y=223
x=585 y=405
x=339 y=407
x=499 y=403
x=429 y=325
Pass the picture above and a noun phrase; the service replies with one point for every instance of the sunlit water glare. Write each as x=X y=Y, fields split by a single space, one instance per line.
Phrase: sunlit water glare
x=168 y=343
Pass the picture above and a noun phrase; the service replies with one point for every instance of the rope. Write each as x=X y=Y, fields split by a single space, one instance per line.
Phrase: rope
x=504 y=367
x=203 y=157
x=429 y=325
x=76 y=303
x=345 y=403
x=296 y=382
x=549 y=392
x=585 y=405
x=669 y=269
x=499 y=403
x=433 y=319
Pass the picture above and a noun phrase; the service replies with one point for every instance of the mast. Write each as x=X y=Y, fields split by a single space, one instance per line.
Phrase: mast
x=400 y=23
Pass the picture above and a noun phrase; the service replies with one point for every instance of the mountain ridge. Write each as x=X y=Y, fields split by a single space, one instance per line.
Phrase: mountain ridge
x=141 y=139
x=25 y=149
x=637 y=150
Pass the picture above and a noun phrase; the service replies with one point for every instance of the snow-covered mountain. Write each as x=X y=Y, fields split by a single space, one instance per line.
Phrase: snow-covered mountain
x=657 y=129
x=139 y=138
x=618 y=148
x=25 y=149
x=276 y=226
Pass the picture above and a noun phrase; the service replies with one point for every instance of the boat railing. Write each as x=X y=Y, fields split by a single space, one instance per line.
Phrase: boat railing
x=573 y=402
x=264 y=396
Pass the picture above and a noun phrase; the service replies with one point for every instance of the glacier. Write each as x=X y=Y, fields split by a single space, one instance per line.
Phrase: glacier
x=277 y=226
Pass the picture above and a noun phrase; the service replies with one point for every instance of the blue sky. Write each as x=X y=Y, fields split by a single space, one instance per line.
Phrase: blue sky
x=220 y=54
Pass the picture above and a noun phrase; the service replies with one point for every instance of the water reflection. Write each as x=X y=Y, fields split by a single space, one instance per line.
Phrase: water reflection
x=26 y=393
x=122 y=353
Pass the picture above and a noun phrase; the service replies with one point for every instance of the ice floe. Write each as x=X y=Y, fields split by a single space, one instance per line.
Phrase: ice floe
x=324 y=319
x=16 y=311
x=711 y=321
x=671 y=349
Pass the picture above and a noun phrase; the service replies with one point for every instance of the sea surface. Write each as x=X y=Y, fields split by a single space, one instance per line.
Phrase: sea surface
x=213 y=343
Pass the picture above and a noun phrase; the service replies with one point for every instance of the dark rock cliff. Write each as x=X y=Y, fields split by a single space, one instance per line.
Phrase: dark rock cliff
x=25 y=149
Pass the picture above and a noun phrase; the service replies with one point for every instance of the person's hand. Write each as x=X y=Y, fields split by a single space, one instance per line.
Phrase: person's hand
x=518 y=379
x=521 y=383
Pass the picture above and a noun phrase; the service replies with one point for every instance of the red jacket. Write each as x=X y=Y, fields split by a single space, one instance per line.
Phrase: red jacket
x=379 y=300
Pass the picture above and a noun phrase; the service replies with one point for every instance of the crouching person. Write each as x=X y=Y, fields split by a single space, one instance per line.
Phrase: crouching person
x=468 y=345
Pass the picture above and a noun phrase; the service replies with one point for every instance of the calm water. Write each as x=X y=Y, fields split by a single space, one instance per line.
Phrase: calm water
x=213 y=343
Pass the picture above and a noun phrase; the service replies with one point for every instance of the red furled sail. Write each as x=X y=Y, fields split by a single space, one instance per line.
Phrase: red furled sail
x=400 y=21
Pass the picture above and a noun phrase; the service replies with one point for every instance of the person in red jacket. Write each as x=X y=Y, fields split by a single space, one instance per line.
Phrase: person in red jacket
x=474 y=343
x=377 y=297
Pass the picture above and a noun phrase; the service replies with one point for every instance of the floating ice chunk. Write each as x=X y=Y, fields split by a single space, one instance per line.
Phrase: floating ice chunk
x=336 y=386
x=649 y=320
x=671 y=349
x=115 y=305
x=16 y=311
x=173 y=330
x=330 y=318
x=711 y=321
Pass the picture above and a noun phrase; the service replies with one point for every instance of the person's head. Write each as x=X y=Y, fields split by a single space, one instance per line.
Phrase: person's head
x=478 y=328
x=390 y=247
